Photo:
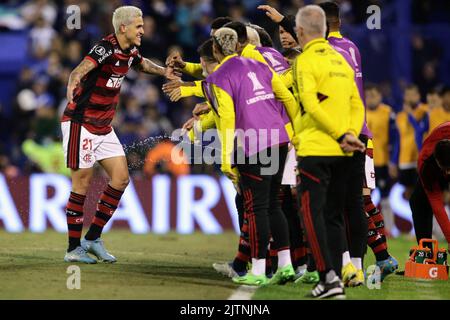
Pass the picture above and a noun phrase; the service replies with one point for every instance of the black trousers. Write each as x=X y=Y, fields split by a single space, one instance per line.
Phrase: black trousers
x=322 y=192
x=291 y=212
x=355 y=215
x=421 y=212
x=262 y=203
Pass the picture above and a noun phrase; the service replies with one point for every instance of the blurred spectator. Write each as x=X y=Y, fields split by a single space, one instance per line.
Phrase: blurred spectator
x=49 y=157
x=54 y=50
x=8 y=169
x=35 y=9
x=412 y=123
x=426 y=54
x=42 y=35
x=440 y=109
x=381 y=122
x=153 y=43
x=155 y=124
x=434 y=99
x=73 y=54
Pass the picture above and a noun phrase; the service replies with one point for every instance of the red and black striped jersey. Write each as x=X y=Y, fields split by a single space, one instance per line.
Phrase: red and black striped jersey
x=95 y=99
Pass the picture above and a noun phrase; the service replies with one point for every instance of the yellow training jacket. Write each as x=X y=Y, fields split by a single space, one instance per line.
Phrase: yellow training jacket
x=378 y=123
x=438 y=116
x=249 y=51
x=324 y=83
x=409 y=153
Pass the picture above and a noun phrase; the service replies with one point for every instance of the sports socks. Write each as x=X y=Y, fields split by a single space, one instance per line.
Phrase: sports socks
x=106 y=206
x=74 y=215
x=376 y=238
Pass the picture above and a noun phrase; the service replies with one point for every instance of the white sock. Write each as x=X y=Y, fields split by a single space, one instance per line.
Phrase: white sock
x=346 y=258
x=357 y=263
x=301 y=268
x=258 y=266
x=284 y=258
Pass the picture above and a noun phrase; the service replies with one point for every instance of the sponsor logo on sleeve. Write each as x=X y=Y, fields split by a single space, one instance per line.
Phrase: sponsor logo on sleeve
x=100 y=50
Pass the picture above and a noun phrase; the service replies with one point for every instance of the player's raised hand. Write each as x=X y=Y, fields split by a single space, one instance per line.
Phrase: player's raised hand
x=199 y=109
x=171 y=74
x=175 y=60
x=173 y=90
x=272 y=13
x=188 y=125
x=170 y=86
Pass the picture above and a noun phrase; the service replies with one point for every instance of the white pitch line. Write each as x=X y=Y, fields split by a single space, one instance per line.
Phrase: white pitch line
x=243 y=293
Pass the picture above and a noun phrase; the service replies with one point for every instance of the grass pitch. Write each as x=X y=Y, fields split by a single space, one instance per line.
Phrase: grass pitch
x=163 y=267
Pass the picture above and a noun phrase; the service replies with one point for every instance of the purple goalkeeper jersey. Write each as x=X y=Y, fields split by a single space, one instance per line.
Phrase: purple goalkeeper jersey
x=351 y=53
x=257 y=112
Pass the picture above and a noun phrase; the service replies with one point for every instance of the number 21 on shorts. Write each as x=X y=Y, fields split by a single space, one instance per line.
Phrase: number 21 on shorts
x=87 y=144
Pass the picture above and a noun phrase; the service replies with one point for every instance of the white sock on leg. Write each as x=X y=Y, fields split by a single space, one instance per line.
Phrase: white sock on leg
x=284 y=258
x=357 y=263
x=346 y=258
x=258 y=266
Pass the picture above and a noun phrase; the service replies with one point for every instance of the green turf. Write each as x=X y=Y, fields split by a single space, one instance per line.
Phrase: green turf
x=394 y=287
x=150 y=267
x=161 y=267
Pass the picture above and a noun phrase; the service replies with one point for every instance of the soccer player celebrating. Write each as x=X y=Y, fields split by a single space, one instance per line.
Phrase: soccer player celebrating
x=92 y=94
x=243 y=93
x=434 y=176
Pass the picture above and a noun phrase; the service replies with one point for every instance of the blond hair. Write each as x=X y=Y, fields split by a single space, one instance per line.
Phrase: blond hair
x=253 y=36
x=227 y=40
x=124 y=16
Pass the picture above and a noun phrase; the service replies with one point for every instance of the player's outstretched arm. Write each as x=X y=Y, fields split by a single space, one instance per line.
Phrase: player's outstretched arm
x=76 y=75
x=272 y=13
x=150 y=67
x=175 y=61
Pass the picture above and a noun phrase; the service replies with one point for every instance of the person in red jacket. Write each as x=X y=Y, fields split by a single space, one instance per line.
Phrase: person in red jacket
x=434 y=173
